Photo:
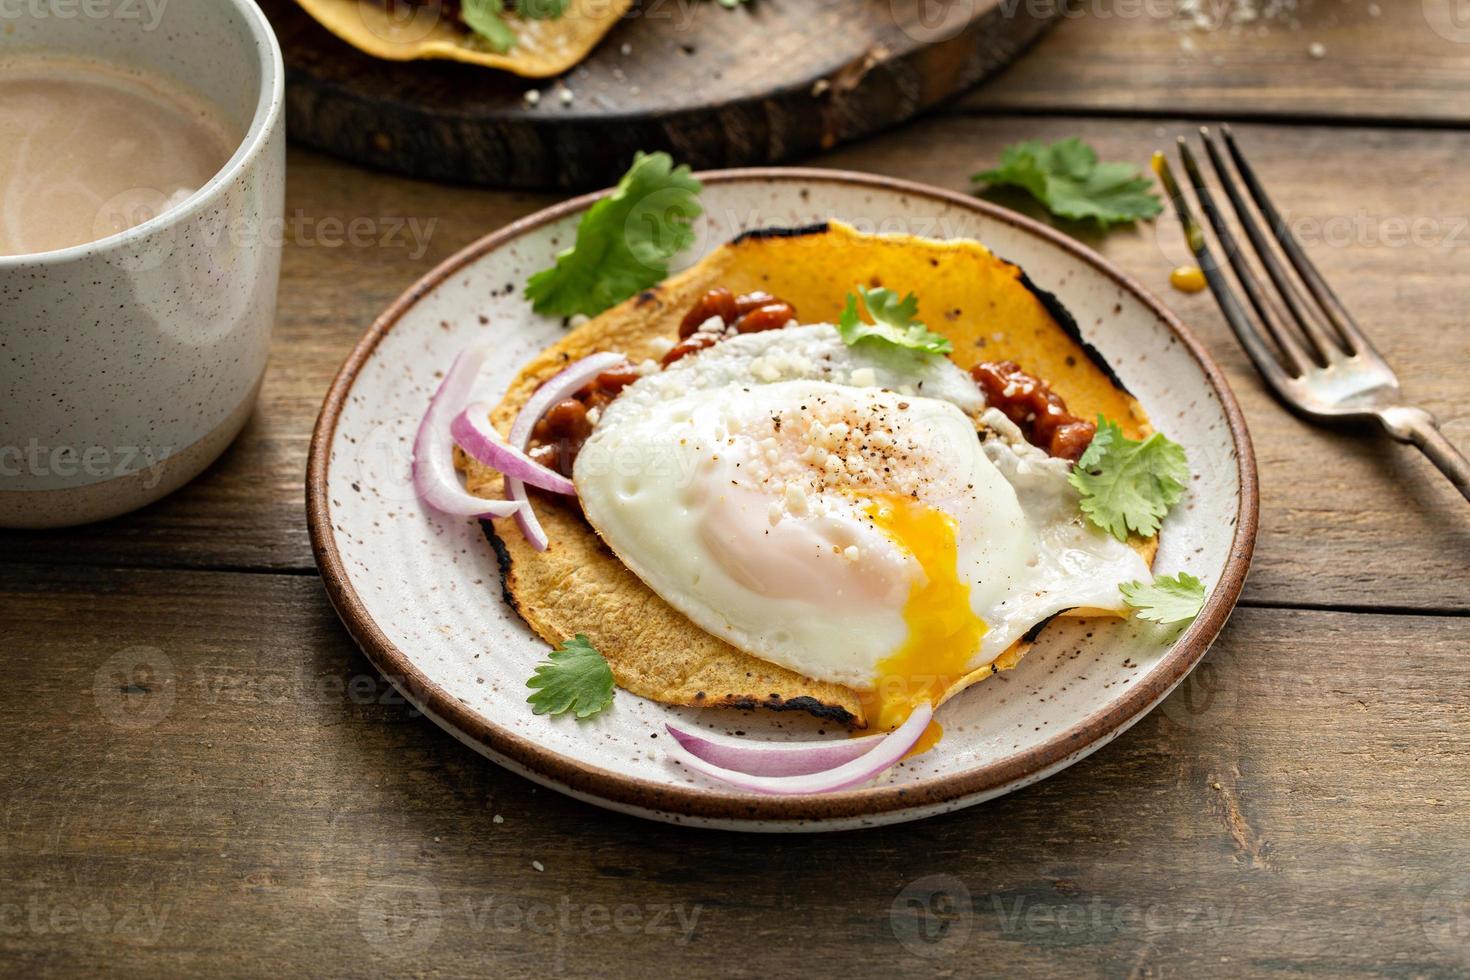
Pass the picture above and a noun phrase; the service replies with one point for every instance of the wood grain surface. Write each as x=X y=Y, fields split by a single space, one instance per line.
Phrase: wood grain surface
x=208 y=767
x=1399 y=62
x=203 y=775
x=760 y=83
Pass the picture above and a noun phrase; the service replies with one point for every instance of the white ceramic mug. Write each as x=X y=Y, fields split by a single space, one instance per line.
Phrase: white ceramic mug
x=128 y=365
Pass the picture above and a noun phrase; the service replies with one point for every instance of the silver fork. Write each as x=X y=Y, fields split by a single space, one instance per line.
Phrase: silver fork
x=1317 y=360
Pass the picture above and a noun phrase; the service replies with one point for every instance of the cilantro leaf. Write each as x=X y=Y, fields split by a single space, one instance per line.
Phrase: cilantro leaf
x=1127 y=485
x=624 y=241
x=542 y=9
x=1067 y=177
x=487 y=19
x=1169 y=600
x=895 y=322
x=574 y=678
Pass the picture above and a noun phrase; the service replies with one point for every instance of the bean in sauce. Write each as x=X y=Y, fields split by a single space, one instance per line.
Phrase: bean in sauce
x=1039 y=412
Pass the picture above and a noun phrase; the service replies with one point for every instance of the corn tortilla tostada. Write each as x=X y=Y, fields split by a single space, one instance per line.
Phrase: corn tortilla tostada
x=986 y=307
x=412 y=30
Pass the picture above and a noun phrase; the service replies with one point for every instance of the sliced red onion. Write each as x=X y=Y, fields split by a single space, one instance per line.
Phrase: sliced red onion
x=433 y=448
x=894 y=746
x=474 y=434
x=560 y=387
x=760 y=758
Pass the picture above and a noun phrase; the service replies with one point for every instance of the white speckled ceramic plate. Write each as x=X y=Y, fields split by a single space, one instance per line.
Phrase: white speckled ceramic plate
x=421 y=592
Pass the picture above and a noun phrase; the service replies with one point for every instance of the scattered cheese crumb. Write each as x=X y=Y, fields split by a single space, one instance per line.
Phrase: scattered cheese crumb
x=497 y=819
x=538 y=865
x=531 y=97
x=796 y=501
x=851 y=553
x=566 y=95
x=1317 y=49
x=626 y=49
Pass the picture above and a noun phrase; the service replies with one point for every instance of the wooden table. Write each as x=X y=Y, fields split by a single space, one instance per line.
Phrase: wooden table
x=258 y=801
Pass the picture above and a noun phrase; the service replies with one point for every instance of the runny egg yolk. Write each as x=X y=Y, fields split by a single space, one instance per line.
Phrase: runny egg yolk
x=943 y=630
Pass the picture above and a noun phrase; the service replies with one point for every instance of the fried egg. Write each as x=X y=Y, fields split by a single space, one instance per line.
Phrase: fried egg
x=832 y=509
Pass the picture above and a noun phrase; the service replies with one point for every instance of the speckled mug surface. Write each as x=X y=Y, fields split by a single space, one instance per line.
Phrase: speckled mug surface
x=127 y=365
x=420 y=591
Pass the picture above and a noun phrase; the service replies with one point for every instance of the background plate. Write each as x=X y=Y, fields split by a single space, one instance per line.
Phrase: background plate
x=421 y=592
x=717 y=88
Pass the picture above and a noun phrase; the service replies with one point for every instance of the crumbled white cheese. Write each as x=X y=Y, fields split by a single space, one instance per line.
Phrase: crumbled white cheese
x=796 y=501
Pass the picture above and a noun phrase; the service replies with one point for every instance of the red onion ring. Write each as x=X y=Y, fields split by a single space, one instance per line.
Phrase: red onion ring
x=558 y=388
x=759 y=758
x=474 y=434
x=894 y=746
x=433 y=449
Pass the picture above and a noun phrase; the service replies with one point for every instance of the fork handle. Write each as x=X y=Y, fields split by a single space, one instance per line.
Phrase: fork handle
x=1417 y=427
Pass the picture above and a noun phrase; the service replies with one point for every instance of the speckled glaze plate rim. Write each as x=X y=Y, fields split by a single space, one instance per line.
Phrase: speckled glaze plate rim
x=747 y=811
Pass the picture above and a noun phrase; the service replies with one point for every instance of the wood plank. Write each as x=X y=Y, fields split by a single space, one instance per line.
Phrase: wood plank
x=1406 y=62
x=1345 y=520
x=261 y=802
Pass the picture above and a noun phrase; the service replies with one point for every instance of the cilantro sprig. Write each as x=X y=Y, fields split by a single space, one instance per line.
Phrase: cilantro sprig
x=575 y=678
x=624 y=241
x=1067 y=177
x=1128 y=485
x=1176 y=599
x=486 y=18
x=895 y=322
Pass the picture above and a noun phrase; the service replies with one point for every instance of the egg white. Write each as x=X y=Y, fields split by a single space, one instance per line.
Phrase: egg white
x=738 y=484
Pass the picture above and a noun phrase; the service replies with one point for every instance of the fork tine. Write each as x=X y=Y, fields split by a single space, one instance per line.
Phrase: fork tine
x=1326 y=347
x=1255 y=345
x=1259 y=298
x=1353 y=335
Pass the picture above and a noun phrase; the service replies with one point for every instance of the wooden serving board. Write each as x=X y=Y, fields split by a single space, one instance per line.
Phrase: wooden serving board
x=765 y=82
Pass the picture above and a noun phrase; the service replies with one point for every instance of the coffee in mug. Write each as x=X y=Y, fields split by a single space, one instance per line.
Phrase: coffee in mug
x=90 y=149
